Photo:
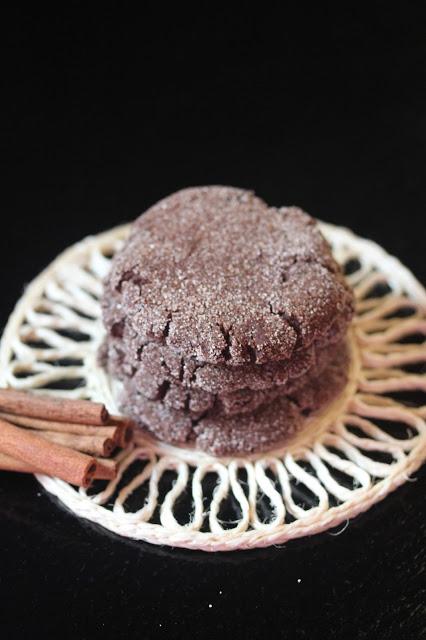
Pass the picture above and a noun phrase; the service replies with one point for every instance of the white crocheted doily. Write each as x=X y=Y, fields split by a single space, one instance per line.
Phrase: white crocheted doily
x=367 y=443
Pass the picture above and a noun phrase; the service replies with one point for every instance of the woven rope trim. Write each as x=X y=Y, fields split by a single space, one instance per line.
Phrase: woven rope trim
x=349 y=458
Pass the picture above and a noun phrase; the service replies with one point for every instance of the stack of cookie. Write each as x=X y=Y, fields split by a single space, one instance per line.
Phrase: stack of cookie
x=226 y=321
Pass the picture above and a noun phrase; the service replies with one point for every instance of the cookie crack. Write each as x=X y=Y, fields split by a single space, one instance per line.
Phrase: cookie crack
x=187 y=402
x=304 y=411
x=167 y=326
x=130 y=275
x=305 y=260
x=193 y=377
x=163 y=389
x=166 y=367
x=293 y=323
x=195 y=421
x=252 y=353
x=226 y=333
x=181 y=370
x=140 y=351
x=117 y=328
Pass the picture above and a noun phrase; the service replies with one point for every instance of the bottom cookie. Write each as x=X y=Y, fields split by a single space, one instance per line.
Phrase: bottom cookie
x=269 y=425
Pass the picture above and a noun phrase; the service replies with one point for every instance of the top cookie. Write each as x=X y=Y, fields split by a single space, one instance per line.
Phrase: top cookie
x=221 y=278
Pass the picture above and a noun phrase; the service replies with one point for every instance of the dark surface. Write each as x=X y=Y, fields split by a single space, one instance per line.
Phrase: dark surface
x=103 y=115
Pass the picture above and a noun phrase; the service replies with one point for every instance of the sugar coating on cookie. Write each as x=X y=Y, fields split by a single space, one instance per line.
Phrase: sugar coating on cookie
x=225 y=320
x=220 y=277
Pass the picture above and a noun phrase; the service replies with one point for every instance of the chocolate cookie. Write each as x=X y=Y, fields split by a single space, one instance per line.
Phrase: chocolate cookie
x=220 y=278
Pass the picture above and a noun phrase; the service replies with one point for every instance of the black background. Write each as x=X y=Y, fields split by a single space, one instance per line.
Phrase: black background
x=102 y=115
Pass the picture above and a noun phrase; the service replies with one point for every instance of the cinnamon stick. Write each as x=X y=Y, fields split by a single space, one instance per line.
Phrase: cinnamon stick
x=113 y=431
x=125 y=433
x=105 y=469
x=52 y=459
x=94 y=445
x=47 y=407
x=7 y=463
